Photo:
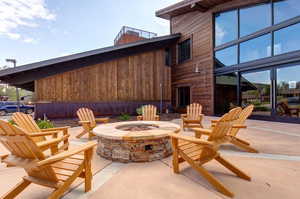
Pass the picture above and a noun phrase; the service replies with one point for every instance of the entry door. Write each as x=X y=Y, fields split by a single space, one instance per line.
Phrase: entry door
x=256 y=88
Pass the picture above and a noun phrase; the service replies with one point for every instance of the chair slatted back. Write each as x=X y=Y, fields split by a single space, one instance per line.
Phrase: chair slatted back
x=194 y=111
x=224 y=125
x=244 y=114
x=85 y=114
x=26 y=122
x=149 y=112
x=24 y=149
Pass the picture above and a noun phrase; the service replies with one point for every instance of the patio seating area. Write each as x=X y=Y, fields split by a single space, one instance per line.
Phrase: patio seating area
x=274 y=170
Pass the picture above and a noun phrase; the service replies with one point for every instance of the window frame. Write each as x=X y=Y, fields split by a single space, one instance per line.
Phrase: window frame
x=269 y=30
x=191 y=51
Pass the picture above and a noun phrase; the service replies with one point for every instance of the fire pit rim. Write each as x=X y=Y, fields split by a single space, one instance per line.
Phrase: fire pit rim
x=110 y=130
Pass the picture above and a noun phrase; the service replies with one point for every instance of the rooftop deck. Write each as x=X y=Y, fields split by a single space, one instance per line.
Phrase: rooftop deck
x=275 y=171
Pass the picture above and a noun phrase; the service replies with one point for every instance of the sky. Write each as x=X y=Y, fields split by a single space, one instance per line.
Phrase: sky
x=36 y=30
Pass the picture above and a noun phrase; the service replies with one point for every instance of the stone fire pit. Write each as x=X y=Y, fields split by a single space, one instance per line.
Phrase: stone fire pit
x=136 y=141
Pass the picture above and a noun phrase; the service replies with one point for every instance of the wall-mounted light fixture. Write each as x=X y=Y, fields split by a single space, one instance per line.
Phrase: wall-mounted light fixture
x=197 y=69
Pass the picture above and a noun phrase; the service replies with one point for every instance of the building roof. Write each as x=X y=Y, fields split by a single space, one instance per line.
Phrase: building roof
x=186 y=6
x=24 y=76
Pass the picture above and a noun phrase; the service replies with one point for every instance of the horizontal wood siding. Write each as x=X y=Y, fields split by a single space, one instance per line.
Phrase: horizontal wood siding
x=132 y=78
x=199 y=27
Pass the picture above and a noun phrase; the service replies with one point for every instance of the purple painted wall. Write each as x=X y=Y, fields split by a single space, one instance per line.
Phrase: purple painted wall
x=68 y=110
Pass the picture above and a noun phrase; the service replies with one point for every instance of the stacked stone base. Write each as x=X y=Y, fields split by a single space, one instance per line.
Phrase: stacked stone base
x=134 y=150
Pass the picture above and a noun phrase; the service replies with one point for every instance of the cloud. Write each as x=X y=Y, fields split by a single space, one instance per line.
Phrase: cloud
x=220 y=33
x=29 y=40
x=16 y=13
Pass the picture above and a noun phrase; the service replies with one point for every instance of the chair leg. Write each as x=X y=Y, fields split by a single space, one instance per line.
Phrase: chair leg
x=210 y=178
x=16 y=190
x=81 y=134
x=243 y=146
x=232 y=168
x=175 y=156
x=242 y=141
x=88 y=171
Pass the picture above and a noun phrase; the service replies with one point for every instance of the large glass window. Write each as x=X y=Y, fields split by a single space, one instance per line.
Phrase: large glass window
x=226 y=57
x=184 y=50
x=286 y=9
x=226 y=24
x=254 y=18
x=288 y=91
x=226 y=93
x=255 y=48
x=287 y=39
x=256 y=90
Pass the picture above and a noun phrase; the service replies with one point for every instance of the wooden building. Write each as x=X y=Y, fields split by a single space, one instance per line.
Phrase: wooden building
x=219 y=53
x=111 y=80
x=232 y=49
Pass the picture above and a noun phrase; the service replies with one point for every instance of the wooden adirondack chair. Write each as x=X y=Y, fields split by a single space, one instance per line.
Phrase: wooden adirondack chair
x=88 y=121
x=193 y=117
x=196 y=152
x=26 y=122
x=149 y=113
x=58 y=171
x=232 y=135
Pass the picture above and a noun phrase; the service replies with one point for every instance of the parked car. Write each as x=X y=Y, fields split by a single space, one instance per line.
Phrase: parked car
x=11 y=107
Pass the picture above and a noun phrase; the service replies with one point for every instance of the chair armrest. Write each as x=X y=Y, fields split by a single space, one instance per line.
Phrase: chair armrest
x=50 y=142
x=202 y=131
x=84 y=122
x=191 y=139
x=66 y=154
x=214 y=121
x=3 y=156
x=183 y=115
x=64 y=128
x=104 y=119
x=157 y=118
x=239 y=126
x=38 y=134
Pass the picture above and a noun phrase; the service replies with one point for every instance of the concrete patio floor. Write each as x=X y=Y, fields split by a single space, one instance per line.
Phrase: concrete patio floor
x=275 y=171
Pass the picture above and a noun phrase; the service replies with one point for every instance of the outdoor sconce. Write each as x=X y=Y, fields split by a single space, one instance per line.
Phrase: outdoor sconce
x=197 y=69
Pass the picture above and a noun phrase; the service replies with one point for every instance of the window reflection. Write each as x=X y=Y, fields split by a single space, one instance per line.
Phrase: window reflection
x=254 y=18
x=225 y=27
x=226 y=57
x=256 y=90
x=255 y=48
x=286 y=9
x=287 y=39
x=225 y=94
x=288 y=91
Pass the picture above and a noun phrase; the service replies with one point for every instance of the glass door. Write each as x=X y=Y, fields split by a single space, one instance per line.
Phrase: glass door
x=288 y=92
x=256 y=89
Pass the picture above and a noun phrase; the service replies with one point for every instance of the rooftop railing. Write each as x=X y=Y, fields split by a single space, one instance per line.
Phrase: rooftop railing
x=134 y=31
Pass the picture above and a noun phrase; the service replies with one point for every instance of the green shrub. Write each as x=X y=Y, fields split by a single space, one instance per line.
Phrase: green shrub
x=124 y=117
x=44 y=124
x=11 y=122
x=139 y=110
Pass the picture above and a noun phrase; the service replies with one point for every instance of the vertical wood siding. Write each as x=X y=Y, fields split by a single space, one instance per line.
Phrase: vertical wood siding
x=132 y=78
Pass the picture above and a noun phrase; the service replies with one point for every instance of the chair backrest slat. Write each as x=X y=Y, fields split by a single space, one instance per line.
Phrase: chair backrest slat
x=149 y=112
x=224 y=125
x=244 y=114
x=26 y=122
x=194 y=111
x=85 y=114
x=22 y=146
